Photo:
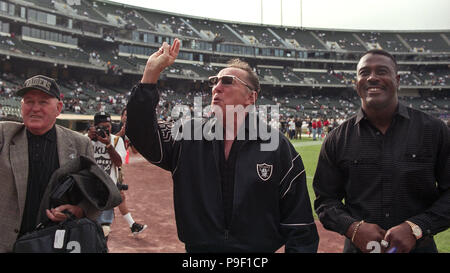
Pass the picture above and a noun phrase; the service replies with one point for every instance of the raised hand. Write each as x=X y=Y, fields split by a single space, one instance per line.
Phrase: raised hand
x=159 y=60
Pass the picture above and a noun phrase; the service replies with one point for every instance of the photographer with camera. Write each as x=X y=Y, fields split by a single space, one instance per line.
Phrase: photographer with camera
x=109 y=153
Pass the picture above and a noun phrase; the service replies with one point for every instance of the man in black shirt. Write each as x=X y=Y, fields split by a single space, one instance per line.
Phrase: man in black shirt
x=230 y=194
x=383 y=176
x=298 y=128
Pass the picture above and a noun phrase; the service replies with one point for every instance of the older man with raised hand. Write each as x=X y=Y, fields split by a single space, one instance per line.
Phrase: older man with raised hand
x=383 y=176
x=29 y=154
x=230 y=194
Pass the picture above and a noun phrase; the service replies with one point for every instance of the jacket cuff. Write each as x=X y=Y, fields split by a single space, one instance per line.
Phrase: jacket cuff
x=146 y=85
x=345 y=223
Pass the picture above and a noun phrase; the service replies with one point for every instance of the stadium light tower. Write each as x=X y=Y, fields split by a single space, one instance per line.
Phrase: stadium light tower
x=281 y=12
x=301 y=14
x=262 y=12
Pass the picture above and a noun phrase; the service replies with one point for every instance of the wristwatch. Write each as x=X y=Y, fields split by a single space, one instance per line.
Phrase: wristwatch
x=416 y=230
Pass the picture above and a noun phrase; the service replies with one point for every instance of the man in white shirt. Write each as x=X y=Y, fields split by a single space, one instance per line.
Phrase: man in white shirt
x=109 y=153
x=291 y=124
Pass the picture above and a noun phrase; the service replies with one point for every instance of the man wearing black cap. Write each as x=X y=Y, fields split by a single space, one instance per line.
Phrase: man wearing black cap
x=29 y=153
x=109 y=153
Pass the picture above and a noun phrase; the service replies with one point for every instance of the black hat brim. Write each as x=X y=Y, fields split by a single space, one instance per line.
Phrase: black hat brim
x=23 y=91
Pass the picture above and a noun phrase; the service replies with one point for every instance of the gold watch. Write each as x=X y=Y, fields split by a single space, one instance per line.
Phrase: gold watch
x=416 y=230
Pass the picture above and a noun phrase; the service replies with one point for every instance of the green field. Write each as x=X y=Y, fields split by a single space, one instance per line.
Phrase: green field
x=309 y=151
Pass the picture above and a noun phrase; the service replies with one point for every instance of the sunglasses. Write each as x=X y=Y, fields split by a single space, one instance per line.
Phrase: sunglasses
x=226 y=80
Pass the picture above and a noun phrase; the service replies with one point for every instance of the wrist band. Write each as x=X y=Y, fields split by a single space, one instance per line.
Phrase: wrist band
x=356 y=229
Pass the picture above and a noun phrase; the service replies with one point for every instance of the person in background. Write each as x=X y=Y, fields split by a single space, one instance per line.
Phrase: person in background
x=298 y=128
x=109 y=153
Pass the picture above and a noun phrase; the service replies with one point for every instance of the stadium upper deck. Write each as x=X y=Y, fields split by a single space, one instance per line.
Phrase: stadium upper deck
x=111 y=39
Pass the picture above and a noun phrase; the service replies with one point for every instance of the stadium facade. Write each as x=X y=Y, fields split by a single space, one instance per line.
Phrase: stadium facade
x=97 y=50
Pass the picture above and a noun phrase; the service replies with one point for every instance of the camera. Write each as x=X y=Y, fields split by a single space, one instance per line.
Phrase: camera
x=122 y=187
x=101 y=131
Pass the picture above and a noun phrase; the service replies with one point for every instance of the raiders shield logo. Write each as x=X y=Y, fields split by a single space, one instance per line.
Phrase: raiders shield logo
x=264 y=171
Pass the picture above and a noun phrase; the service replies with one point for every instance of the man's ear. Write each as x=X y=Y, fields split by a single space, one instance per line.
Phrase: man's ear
x=253 y=97
x=59 y=106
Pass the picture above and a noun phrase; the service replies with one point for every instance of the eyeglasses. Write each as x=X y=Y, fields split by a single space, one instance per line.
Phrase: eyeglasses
x=226 y=80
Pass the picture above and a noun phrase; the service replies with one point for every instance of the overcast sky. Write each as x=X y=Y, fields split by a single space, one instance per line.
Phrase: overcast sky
x=337 y=14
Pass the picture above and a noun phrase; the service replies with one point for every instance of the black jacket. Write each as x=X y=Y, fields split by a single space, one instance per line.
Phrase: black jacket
x=270 y=209
x=92 y=189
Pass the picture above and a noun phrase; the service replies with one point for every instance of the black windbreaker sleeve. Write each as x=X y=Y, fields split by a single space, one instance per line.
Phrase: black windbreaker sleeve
x=297 y=221
x=151 y=138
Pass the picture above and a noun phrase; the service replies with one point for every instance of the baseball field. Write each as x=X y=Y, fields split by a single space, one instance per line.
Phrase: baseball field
x=150 y=201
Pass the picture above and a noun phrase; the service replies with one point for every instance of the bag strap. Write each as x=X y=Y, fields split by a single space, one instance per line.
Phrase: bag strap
x=116 y=140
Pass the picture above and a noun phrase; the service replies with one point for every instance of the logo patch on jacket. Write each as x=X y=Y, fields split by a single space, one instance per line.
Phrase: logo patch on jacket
x=165 y=128
x=264 y=171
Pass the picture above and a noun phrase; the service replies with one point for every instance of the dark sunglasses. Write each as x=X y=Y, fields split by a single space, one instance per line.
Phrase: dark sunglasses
x=226 y=80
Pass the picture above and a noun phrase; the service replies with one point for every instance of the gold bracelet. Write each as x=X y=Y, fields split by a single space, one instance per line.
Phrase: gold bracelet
x=356 y=229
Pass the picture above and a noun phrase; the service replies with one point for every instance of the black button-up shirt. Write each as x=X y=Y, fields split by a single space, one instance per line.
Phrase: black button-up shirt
x=404 y=174
x=227 y=174
x=43 y=161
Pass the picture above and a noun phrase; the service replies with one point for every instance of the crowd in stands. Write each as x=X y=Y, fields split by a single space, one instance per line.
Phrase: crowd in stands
x=88 y=98
x=78 y=97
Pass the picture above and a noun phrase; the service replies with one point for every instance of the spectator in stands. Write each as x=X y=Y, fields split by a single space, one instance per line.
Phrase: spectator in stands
x=256 y=219
x=383 y=176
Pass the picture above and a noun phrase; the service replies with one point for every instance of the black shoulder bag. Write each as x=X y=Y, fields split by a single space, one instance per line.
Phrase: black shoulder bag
x=69 y=236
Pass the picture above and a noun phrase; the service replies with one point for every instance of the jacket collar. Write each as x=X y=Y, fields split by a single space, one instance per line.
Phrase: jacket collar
x=251 y=126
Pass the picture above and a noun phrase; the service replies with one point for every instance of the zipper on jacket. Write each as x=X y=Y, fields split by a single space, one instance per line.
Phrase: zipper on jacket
x=226 y=234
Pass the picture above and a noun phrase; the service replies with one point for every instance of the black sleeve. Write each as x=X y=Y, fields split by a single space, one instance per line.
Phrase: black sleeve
x=329 y=187
x=437 y=217
x=151 y=138
x=297 y=222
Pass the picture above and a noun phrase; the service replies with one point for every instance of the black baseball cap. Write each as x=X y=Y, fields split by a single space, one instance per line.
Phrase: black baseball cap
x=42 y=83
x=101 y=117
